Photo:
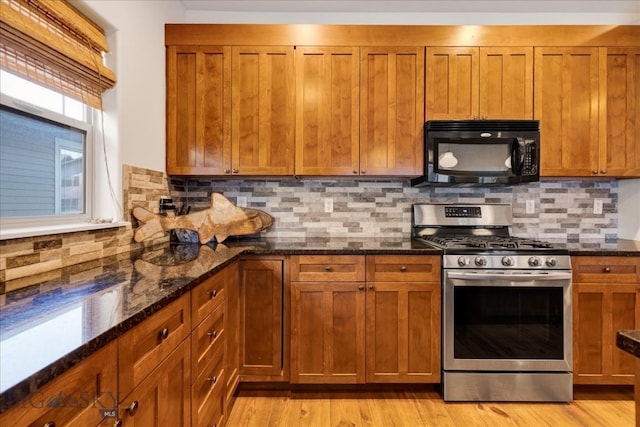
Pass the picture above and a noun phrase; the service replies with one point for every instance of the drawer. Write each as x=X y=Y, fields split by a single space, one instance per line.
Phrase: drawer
x=399 y=268
x=327 y=268
x=207 y=296
x=144 y=347
x=206 y=339
x=207 y=393
x=605 y=269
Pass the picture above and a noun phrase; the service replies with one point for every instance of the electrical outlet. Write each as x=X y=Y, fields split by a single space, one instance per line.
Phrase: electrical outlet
x=530 y=206
x=597 y=206
x=241 y=202
x=328 y=205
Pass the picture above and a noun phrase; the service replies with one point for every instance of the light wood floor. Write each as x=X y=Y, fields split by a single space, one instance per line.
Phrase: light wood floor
x=608 y=408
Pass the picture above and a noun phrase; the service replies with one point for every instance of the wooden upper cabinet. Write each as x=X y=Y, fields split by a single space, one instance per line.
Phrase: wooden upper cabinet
x=452 y=83
x=619 y=112
x=327 y=110
x=566 y=93
x=487 y=82
x=391 y=110
x=198 y=110
x=506 y=82
x=263 y=112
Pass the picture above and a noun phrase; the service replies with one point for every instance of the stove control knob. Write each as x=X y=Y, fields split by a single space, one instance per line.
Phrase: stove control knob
x=534 y=261
x=507 y=261
x=480 y=261
x=551 y=262
x=463 y=261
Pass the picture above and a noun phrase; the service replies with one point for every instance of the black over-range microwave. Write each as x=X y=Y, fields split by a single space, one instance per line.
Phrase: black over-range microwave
x=480 y=152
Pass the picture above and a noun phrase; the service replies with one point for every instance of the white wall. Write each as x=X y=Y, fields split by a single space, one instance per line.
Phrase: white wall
x=135 y=108
x=134 y=111
x=629 y=208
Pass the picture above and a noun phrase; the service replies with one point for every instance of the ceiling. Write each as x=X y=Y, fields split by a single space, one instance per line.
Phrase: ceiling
x=414 y=6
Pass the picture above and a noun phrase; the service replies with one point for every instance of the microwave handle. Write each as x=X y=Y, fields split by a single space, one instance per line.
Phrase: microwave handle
x=517 y=156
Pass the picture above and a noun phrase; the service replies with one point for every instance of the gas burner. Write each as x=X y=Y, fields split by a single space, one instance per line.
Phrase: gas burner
x=484 y=242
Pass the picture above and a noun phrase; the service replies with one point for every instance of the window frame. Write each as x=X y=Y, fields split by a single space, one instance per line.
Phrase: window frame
x=13 y=224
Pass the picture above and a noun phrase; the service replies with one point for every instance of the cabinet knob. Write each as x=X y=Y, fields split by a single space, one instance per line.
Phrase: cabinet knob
x=234 y=170
x=50 y=424
x=603 y=171
x=595 y=172
x=403 y=268
x=118 y=423
x=328 y=268
x=212 y=334
x=361 y=287
x=370 y=287
x=225 y=171
x=164 y=334
x=607 y=269
x=213 y=294
x=363 y=171
x=213 y=379
x=133 y=408
x=355 y=172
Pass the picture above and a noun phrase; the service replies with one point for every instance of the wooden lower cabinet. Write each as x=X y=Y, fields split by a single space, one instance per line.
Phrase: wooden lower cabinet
x=92 y=384
x=327 y=333
x=605 y=299
x=382 y=330
x=232 y=332
x=403 y=332
x=163 y=397
x=261 y=336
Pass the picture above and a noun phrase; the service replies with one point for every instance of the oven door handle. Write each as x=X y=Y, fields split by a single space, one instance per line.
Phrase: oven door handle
x=513 y=277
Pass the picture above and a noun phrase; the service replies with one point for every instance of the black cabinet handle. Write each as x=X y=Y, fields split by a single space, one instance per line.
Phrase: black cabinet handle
x=164 y=334
x=133 y=408
x=213 y=294
x=50 y=424
x=212 y=334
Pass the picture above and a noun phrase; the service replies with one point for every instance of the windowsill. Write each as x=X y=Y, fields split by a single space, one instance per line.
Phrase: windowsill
x=17 y=233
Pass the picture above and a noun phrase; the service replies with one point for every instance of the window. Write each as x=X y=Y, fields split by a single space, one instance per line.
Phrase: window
x=45 y=155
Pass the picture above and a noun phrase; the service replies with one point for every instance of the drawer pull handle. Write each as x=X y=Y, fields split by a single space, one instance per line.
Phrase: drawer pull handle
x=133 y=408
x=213 y=294
x=212 y=334
x=403 y=268
x=50 y=424
x=164 y=334
x=371 y=287
x=361 y=287
x=328 y=268
x=213 y=379
x=607 y=269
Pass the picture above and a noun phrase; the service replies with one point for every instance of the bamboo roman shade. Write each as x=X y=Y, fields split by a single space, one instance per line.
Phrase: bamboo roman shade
x=51 y=43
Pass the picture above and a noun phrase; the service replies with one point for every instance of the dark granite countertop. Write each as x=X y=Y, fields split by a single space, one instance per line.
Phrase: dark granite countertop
x=619 y=247
x=629 y=341
x=66 y=315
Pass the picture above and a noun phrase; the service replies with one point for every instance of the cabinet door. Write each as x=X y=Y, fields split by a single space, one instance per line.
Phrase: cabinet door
x=164 y=397
x=452 y=83
x=403 y=332
x=566 y=94
x=327 y=333
x=263 y=113
x=327 y=105
x=506 y=82
x=261 y=304
x=619 y=112
x=198 y=110
x=599 y=310
x=92 y=385
x=391 y=110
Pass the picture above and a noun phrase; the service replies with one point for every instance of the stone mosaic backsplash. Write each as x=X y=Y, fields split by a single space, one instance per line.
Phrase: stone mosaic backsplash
x=563 y=209
x=22 y=259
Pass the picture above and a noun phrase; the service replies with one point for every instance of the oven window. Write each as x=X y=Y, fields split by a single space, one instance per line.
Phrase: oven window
x=508 y=323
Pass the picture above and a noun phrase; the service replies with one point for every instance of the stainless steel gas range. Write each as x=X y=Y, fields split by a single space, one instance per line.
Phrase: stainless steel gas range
x=506 y=306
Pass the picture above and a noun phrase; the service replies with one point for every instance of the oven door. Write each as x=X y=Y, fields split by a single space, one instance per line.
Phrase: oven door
x=507 y=320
